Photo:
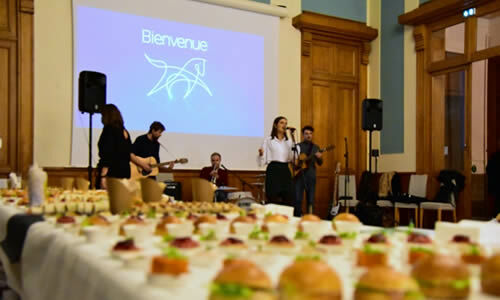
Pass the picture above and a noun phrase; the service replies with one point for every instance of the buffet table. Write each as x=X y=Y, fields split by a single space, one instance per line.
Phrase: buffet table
x=60 y=264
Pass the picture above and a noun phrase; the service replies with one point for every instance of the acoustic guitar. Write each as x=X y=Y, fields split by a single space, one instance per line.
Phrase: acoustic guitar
x=334 y=206
x=304 y=160
x=137 y=172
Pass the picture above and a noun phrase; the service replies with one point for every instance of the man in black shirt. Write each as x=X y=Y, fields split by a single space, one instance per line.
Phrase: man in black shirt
x=306 y=180
x=147 y=145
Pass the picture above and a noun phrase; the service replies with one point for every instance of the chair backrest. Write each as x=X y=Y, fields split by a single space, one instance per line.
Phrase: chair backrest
x=203 y=190
x=351 y=186
x=418 y=186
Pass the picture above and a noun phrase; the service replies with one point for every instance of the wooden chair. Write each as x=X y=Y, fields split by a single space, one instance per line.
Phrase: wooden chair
x=418 y=188
x=351 y=191
x=203 y=190
x=439 y=207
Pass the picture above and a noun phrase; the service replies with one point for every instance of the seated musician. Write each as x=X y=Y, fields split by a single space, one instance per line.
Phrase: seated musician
x=216 y=175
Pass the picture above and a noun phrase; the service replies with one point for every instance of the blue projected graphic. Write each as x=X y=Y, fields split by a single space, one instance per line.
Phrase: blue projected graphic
x=192 y=78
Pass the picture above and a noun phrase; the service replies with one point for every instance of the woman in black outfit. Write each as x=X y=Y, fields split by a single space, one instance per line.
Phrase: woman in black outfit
x=276 y=152
x=115 y=147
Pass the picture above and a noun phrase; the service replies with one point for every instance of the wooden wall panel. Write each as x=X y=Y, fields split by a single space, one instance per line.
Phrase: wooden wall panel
x=25 y=101
x=7 y=105
x=8 y=19
x=347 y=61
x=322 y=58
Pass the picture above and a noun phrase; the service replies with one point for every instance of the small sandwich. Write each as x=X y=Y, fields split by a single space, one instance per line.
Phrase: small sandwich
x=65 y=219
x=276 y=218
x=374 y=251
x=490 y=275
x=125 y=249
x=309 y=279
x=241 y=219
x=280 y=244
x=161 y=227
x=384 y=283
x=96 y=220
x=205 y=219
x=132 y=220
x=471 y=253
x=241 y=280
x=419 y=247
x=347 y=226
x=233 y=246
x=330 y=243
x=442 y=277
x=307 y=218
x=168 y=270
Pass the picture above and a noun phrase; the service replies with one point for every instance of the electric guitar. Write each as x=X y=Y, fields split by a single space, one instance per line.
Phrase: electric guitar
x=304 y=160
x=334 y=207
x=137 y=172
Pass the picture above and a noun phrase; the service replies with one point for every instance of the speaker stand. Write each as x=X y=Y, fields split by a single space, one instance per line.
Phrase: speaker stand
x=370 y=153
x=90 y=150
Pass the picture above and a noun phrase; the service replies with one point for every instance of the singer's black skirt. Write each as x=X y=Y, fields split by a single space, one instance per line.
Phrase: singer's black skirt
x=279 y=182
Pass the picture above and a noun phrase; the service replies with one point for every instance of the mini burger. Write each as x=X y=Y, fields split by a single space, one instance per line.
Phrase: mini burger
x=490 y=275
x=307 y=218
x=280 y=244
x=419 y=247
x=384 y=283
x=347 y=226
x=161 y=227
x=309 y=279
x=241 y=280
x=276 y=218
x=241 y=219
x=374 y=251
x=442 y=277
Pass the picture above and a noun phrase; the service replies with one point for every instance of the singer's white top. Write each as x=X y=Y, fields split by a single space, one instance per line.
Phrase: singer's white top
x=276 y=150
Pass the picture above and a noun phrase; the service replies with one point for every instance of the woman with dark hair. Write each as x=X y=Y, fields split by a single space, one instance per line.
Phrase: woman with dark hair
x=115 y=147
x=276 y=152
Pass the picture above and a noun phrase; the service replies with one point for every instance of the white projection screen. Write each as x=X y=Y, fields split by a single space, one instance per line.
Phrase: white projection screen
x=207 y=72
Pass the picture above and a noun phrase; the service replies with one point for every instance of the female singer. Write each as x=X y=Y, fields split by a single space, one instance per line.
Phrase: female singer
x=277 y=152
x=115 y=147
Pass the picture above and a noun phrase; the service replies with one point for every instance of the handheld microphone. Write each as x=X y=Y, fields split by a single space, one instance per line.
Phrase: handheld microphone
x=224 y=167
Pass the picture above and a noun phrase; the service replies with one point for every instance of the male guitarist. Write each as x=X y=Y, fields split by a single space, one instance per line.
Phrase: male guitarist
x=306 y=180
x=147 y=145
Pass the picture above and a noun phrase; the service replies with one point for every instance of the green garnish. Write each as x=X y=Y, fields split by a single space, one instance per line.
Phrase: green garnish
x=86 y=222
x=456 y=284
x=231 y=256
x=173 y=253
x=411 y=226
x=168 y=238
x=460 y=284
x=180 y=214
x=300 y=235
x=348 y=235
x=474 y=250
x=268 y=214
x=151 y=213
x=413 y=295
x=421 y=249
x=231 y=290
x=258 y=234
x=210 y=236
x=312 y=244
x=243 y=213
x=307 y=257
x=369 y=249
x=125 y=213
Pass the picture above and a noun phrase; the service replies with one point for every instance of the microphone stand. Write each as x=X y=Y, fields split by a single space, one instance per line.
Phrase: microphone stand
x=243 y=182
x=295 y=151
x=346 y=179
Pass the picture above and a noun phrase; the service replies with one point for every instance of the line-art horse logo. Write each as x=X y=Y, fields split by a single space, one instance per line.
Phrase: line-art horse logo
x=189 y=73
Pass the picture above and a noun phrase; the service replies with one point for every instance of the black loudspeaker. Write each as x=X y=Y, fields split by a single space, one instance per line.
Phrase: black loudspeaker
x=372 y=114
x=174 y=189
x=91 y=91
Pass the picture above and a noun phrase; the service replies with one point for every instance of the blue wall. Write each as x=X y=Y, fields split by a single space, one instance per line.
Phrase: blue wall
x=392 y=77
x=263 y=1
x=423 y=1
x=347 y=9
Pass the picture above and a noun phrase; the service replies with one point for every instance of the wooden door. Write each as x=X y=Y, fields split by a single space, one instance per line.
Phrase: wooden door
x=334 y=58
